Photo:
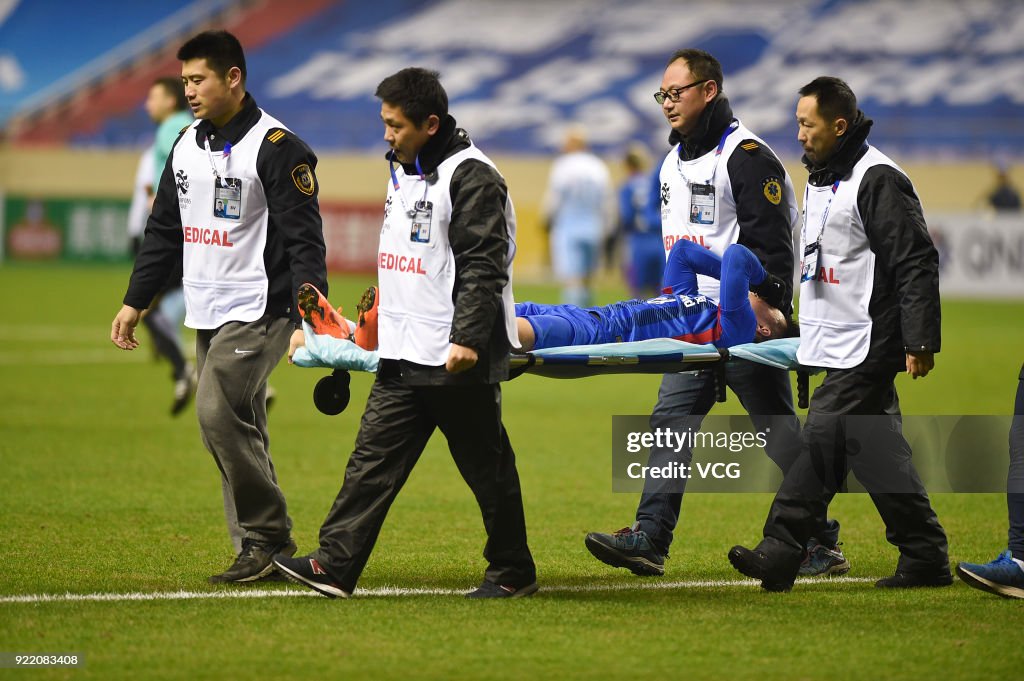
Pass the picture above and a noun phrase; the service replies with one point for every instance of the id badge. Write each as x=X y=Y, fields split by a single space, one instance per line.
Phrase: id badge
x=227 y=198
x=421 y=215
x=809 y=264
x=702 y=204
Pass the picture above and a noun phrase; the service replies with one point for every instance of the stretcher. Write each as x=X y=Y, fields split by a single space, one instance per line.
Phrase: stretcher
x=654 y=356
x=660 y=356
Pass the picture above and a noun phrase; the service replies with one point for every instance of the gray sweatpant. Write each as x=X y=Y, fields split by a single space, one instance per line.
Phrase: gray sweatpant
x=234 y=362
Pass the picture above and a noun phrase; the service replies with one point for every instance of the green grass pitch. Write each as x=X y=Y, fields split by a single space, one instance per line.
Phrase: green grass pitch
x=105 y=493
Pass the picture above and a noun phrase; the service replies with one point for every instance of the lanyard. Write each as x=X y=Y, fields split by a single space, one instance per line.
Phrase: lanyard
x=209 y=155
x=733 y=127
x=824 y=215
x=398 y=189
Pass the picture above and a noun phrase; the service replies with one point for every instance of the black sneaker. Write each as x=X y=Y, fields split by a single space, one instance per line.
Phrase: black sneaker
x=907 y=580
x=820 y=560
x=628 y=548
x=305 y=570
x=492 y=590
x=254 y=562
x=774 y=574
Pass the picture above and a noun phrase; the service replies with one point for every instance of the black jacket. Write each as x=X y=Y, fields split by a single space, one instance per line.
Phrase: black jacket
x=904 y=305
x=764 y=226
x=295 y=251
x=478 y=236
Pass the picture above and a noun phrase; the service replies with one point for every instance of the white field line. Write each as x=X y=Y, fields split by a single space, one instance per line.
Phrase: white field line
x=76 y=345
x=52 y=332
x=71 y=357
x=393 y=591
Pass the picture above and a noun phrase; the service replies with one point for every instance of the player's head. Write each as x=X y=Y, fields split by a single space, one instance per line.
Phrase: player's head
x=166 y=96
x=771 y=322
x=824 y=112
x=637 y=158
x=413 y=104
x=213 y=72
x=575 y=139
x=693 y=78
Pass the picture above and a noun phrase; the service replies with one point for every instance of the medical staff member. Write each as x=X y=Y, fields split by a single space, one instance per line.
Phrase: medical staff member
x=869 y=309
x=242 y=268
x=720 y=185
x=446 y=323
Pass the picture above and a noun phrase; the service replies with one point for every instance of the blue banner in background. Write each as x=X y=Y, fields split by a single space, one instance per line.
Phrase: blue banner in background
x=941 y=79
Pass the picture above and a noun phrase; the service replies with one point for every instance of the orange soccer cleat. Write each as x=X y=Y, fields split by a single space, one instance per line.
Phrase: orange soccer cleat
x=316 y=310
x=366 y=325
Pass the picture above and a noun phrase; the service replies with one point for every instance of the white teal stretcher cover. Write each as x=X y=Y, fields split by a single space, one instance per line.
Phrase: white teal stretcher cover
x=658 y=355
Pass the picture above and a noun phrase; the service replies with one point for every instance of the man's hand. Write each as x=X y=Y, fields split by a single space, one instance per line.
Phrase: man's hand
x=460 y=358
x=920 y=363
x=298 y=340
x=122 y=330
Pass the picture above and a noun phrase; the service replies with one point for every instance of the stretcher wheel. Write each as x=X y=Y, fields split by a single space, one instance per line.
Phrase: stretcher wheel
x=331 y=394
x=802 y=387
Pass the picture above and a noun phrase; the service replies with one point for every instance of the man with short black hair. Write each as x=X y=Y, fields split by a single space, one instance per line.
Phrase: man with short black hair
x=243 y=265
x=446 y=323
x=720 y=185
x=869 y=308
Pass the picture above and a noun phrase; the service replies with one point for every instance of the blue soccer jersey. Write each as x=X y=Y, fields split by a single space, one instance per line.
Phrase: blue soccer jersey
x=681 y=313
x=684 y=317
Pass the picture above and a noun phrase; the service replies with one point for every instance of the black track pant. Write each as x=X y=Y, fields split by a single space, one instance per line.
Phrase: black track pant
x=398 y=421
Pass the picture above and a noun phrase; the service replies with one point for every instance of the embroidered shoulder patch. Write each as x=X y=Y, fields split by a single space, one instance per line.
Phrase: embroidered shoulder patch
x=772 y=187
x=302 y=176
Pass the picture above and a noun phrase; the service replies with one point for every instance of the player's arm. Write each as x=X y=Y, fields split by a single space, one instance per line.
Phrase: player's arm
x=478 y=235
x=287 y=169
x=740 y=269
x=762 y=210
x=898 y=236
x=552 y=196
x=685 y=261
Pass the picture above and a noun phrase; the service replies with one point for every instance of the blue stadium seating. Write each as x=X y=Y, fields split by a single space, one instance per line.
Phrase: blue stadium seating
x=941 y=78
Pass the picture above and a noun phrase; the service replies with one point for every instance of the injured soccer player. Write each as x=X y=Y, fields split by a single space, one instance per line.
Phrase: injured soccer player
x=747 y=309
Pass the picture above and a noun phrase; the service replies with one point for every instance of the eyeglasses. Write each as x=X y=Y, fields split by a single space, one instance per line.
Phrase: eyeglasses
x=675 y=93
